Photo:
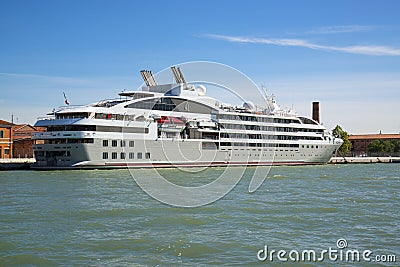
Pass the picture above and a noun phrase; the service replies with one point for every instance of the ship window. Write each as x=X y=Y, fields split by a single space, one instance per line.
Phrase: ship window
x=307 y=121
x=80 y=141
x=39 y=153
x=105 y=142
x=122 y=129
x=114 y=143
x=1 y=134
x=55 y=141
x=144 y=104
x=72 y=115
x=122 y=155
x=308 y=146
x=131 y=143
x=147 y=155
x=100 y=116
x=105 y=155
x=123 y=143
x=114 y=155
x=139 y=155
x=131 y=155
x=171 y=104
x=6 y=151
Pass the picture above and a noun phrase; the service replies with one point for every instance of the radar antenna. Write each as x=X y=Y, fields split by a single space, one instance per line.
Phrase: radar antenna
x=264 y=91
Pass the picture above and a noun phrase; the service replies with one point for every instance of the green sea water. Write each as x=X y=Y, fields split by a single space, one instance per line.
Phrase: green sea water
x=103 y=218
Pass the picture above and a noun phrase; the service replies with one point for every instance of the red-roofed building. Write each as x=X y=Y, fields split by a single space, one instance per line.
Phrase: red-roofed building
x=22 y=140
x=6 y=143
x=360 y=142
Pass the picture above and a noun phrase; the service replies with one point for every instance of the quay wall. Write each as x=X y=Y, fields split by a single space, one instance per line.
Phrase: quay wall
x=344 y=160
x=16 y=163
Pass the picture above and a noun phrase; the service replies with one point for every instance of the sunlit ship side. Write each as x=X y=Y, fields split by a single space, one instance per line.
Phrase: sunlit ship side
x=173 y=125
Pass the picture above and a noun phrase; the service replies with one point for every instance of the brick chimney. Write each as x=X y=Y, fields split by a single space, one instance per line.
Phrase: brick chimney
x=315 y=112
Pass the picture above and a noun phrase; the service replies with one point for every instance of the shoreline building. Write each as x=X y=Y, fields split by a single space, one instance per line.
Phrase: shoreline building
x=6 y=143
x=360 y=142
x=22 y=140
x=16 y=140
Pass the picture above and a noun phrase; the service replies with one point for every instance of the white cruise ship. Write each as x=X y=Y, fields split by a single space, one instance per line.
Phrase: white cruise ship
x=174 y=125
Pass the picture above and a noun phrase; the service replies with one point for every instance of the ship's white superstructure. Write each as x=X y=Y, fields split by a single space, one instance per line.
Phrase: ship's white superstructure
x=177 y=125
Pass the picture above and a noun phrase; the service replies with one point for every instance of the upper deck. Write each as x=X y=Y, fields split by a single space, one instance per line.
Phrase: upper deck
x=181 y=100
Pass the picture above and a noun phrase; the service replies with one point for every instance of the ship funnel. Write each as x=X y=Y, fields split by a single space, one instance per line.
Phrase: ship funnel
x=315 y=112
x=176 y=71
x=148 y=77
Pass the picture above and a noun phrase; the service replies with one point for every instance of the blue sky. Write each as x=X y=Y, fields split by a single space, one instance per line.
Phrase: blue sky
x=345 y=54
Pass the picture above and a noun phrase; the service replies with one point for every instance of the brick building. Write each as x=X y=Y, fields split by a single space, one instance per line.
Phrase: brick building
x=6 y=144
x=360 y=142
x=22 y=140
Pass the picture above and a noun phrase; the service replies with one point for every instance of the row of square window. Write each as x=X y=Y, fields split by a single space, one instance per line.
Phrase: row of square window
x=131 y=155
x=122 y=143
x=308 y=146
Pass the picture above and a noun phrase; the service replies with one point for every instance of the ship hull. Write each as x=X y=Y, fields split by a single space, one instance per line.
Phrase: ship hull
x=167 y=153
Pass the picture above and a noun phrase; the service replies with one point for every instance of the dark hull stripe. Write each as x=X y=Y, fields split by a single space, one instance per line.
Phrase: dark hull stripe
x=173 y=165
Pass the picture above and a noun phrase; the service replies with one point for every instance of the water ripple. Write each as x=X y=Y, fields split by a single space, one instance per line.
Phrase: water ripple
x=102 y=218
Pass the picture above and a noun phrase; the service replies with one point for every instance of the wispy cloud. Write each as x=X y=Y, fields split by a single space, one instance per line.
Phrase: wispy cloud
x=355 y=49
x=341 y=29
